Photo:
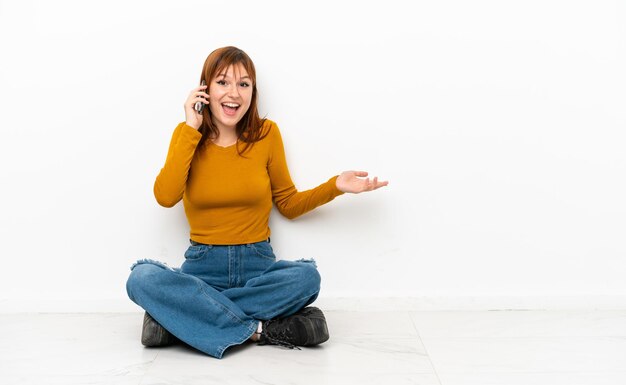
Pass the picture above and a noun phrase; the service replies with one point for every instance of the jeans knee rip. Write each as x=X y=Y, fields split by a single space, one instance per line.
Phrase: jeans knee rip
x=309 y=260
x=152 y=262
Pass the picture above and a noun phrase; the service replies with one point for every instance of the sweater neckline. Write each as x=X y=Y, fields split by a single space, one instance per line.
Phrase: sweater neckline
x=222 y=148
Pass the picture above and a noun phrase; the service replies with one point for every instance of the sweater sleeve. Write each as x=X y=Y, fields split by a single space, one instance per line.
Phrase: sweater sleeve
x=288 y=200
x=170 y=183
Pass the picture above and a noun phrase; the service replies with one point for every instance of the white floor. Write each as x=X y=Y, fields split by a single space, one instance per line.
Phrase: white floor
x=445 y=348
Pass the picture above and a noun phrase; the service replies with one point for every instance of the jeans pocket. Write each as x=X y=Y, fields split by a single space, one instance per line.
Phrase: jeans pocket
x=195 y=252
x=264 y=250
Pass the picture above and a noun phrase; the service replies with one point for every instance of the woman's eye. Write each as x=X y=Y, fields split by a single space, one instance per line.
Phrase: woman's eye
x=221 y=82
x=244 y=84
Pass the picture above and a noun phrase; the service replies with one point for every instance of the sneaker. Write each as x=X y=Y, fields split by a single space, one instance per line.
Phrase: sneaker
x=154 y=334
x=307 y=327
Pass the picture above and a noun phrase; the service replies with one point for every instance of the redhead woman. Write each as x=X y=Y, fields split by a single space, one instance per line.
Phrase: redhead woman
x=228 y=167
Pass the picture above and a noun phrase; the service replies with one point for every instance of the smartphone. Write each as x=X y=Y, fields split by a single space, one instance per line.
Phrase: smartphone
x=199 y=105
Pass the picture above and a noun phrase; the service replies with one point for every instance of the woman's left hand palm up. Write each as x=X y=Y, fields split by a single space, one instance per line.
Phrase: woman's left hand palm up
x=353 y=182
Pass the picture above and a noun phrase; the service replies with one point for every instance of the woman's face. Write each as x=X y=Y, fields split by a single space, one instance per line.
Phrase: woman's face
x=230 y=95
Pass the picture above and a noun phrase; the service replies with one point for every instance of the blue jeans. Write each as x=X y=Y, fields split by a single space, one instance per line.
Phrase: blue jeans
x=218 y=296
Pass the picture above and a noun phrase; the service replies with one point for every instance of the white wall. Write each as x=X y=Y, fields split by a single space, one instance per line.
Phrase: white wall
x=500 y=126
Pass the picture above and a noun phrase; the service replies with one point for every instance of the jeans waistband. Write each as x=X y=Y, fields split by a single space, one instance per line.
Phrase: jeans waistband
x=194 y=243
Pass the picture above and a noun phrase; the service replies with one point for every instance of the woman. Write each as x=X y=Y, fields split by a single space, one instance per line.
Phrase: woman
x=228 y=166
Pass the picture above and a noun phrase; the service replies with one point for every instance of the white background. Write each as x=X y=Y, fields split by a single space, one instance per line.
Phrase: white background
x=499 y=124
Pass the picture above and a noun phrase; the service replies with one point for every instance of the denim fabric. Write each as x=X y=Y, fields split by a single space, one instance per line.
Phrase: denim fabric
x=220 y=293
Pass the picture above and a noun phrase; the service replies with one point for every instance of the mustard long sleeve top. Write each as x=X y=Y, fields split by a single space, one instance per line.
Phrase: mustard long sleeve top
x=228 y=198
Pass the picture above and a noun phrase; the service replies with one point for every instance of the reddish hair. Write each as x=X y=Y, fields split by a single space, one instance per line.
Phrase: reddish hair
x=249 y=127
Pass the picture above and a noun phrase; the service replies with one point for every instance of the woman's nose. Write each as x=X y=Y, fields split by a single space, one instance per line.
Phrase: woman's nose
x=233 y=90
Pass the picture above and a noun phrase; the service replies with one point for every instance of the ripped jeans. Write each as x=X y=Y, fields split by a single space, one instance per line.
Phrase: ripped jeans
x=218 y=296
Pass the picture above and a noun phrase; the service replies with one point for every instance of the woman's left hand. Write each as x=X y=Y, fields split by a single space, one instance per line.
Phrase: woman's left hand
x=351 y=182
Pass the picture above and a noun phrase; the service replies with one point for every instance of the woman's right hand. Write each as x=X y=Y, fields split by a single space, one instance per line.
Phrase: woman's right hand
x=192 y=117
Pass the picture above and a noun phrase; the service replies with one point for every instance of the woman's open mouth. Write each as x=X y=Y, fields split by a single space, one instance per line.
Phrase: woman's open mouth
x=230 y=109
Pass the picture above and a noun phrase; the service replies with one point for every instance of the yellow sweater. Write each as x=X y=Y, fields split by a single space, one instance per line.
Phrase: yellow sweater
x=228 y=198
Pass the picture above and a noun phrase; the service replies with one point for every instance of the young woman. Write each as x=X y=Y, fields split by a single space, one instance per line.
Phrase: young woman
x=228 y=166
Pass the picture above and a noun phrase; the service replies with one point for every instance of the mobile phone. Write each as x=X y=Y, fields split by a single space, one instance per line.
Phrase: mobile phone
x=199 y=105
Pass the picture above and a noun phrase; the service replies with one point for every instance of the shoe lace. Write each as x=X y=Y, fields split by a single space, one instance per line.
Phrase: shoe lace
x=278 y=337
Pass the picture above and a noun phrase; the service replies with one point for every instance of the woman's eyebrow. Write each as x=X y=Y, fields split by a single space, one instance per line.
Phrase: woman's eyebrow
x=226 y=76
